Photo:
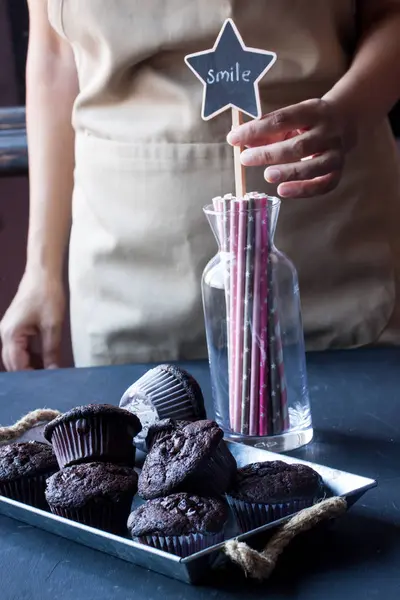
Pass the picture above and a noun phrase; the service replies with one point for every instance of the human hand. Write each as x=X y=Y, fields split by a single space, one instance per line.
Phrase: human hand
x=36 y=311
x=305 y=146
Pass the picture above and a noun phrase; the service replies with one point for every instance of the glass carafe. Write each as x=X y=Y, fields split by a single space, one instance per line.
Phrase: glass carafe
x=254 y=328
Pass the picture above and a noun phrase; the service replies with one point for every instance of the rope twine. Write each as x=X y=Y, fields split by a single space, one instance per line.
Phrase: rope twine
x=260 y=565
x=13 y=432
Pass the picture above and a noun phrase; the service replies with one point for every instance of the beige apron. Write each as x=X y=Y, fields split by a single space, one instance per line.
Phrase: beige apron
x=146 y=164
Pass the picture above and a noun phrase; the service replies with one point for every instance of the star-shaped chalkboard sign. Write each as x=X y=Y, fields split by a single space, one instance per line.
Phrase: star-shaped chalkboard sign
x=230 y=73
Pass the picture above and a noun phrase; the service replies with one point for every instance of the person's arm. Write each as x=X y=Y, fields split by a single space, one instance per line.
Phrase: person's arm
x=371 y=87
x=324 y=130
x=38 y=307
x=51 y=81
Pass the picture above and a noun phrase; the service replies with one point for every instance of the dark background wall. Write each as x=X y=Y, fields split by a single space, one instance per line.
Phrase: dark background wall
x=14 y=205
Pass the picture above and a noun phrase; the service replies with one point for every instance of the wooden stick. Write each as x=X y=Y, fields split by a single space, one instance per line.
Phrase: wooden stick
x=240 y=172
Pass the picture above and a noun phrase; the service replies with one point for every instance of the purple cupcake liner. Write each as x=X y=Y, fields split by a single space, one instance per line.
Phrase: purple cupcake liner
x=215 y=475
x=106 y=516
x=28 y=490
x=252 y=515
x=182 y=545
x=92 y=439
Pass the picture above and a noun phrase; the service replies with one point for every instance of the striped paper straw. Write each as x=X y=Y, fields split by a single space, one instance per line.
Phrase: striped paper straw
x=285 y=422
x=234 y=232
x=256 y=338
x=247 y=315
x=240 y=279
x=263 y=428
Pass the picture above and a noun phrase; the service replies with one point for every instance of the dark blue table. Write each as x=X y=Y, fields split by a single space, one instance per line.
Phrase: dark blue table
x=356 y=410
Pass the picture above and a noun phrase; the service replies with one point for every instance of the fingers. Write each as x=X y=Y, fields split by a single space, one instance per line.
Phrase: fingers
x=15 y=354
x=51 y=346
x=317 y=166
x=278 y=123
x=287 y=151
x=313 y=187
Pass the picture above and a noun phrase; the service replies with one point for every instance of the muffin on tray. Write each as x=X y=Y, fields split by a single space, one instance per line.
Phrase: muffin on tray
x=192 y=459
x=96 y=432
x=24 y=468
x=181 y=524
x=96 y=494
x=268 y=491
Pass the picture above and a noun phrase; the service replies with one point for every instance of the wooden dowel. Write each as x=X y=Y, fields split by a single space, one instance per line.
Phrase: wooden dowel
x=240 y=172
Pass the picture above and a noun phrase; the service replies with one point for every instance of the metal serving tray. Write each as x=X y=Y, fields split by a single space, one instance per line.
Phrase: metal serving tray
x=195 y=567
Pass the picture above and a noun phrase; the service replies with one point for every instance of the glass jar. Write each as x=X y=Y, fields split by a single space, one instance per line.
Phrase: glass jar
x=254 y=328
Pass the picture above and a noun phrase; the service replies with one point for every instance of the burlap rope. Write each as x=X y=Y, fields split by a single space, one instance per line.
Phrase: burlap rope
x=260 y=565
x=41 y=415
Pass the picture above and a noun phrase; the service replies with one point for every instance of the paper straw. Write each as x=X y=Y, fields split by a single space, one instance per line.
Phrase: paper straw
x=240 y=278
x=225 y=227
x=233 y=243
x=285 y=422
x=255 y=346
x=263 y=428
x=247 y=316
x=274 y=343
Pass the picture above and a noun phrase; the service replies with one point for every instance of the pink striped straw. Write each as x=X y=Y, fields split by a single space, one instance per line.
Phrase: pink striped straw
x=256 y=338
x=233 y=310
x=285 y=421
x=240 y=279
x=263 y=389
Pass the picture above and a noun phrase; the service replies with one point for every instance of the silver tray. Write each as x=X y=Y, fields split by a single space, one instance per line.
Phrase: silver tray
x=195 y=567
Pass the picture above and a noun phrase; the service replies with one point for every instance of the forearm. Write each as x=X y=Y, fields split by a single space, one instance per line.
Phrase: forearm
x=51 y=90
x=370 y=88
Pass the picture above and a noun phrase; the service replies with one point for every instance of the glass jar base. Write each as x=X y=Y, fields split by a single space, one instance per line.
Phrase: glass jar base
x=291 y=440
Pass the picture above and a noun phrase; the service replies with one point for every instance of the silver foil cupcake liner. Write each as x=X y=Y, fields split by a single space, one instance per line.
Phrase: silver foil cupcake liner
x=107 y=516
x=92 y=439
x=215 y=476
x=182 y=545
x=161 y=393
x=28 y=490
x=172 y=395
x=251 y=515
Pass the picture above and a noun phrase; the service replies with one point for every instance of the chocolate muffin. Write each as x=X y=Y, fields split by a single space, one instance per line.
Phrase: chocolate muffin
x=24 y=468
x=96 y=494
x=268 y=491
x=181 y=524
x=192 y=459
x=96 y=432
x=161 y=429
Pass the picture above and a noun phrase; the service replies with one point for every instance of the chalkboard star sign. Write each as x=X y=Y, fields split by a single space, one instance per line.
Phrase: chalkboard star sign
x=230 y=73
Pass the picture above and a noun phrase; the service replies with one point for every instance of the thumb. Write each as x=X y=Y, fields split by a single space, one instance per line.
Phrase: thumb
x=51 y=345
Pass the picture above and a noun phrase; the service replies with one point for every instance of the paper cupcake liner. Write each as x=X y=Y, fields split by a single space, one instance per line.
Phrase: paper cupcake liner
x=251 y=515
x=182 y=545
x=106 y=516
x=29 y=490
x=214 y=477
x=170 y=395
x=92 y=439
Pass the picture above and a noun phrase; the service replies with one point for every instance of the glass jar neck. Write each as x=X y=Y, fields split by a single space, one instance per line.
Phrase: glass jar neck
x=239 y=223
